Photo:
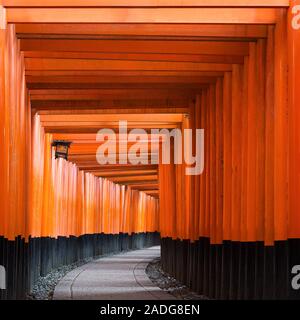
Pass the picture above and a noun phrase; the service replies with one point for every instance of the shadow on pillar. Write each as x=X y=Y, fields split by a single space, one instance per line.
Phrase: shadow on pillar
x=25 y=262
x=234 y=270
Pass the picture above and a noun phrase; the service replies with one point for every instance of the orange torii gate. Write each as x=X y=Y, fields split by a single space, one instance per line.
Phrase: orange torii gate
x=233 y=67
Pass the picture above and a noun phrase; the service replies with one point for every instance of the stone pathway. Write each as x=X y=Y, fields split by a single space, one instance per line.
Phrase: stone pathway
x=119 y=277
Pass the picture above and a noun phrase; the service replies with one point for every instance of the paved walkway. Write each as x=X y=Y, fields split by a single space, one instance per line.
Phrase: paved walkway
x=119 y=277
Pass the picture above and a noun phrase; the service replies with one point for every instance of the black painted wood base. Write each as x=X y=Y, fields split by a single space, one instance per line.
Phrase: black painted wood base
x=26 y=262
x=234 y=270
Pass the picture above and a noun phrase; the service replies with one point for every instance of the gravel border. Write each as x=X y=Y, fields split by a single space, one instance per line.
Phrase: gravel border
x=169 y=284
x=43 y=288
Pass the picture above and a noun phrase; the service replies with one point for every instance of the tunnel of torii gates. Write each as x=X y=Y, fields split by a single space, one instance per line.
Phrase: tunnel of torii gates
x=230 y=67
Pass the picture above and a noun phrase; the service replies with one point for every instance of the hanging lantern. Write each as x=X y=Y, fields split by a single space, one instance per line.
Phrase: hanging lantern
x=61 y=148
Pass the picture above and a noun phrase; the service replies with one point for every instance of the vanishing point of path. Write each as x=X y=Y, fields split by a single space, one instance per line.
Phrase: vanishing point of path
x=119 y=277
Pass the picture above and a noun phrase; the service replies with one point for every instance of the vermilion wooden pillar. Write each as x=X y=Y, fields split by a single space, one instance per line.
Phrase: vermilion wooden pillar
x=294 y=137
x=294 y=120
x=3 y=188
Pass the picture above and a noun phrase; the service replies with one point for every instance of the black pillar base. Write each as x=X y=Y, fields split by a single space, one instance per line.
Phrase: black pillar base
x=26 y=262
x=234 y=270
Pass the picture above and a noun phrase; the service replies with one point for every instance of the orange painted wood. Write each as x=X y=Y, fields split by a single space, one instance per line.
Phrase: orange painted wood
x=227 y=143
x=111 y=81
x=112 y=111
x=252 y=144
x=125 y=73
x=270 y=140
x=207 y=129
x=261 y=147
x=244 y=194
x=219 y=162
x=293 y=117
x=200 y=58
x=145 y=3
x=3 y=163
x=202 y=195
x=235 y=48
x=65 y=64
x=236 y=148
x=114 y=94
x=142 y=15
x=282 y=126
x=195 y=184
x=237 y=81
x=14 y=138
x=106 y=174
x=207 y=168
x=76 y=201
x=213 y=164
x=50 y=125
x=167 y=204
x=186 y=30
x=187 y=185
x=114 y=117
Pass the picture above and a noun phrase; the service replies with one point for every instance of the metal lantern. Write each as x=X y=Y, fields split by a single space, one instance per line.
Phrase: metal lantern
x=61 y=148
